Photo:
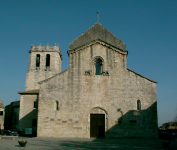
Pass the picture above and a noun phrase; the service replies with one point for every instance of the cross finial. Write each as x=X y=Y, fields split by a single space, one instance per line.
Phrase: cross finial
x=97 y=16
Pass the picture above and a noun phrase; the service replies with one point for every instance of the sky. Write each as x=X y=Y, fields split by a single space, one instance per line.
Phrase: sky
x=148 y=28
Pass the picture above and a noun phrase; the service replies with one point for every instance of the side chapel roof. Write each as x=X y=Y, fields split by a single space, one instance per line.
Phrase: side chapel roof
x=34 y=91
x=97 y=31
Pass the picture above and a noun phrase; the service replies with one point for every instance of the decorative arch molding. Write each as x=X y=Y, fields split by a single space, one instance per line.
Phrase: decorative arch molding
x=96 y=58
x=98 y=110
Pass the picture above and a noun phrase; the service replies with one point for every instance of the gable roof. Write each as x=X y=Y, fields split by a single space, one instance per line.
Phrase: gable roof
x=97 y=31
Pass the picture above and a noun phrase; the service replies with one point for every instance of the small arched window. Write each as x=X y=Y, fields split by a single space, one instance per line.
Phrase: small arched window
x=37 y=61
x=98 y=67
x=47 y=61
x=138 y=105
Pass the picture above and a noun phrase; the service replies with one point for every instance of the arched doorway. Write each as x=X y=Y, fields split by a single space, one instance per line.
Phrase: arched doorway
x=98 y=123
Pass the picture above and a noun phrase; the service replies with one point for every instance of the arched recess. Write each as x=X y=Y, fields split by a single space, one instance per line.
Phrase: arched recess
x=98 y=122
x=97 y=65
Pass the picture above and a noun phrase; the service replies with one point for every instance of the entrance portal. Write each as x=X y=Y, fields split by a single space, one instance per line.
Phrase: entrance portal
x=97 y=125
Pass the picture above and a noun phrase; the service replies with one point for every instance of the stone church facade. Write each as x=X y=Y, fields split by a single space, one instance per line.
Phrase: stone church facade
x=97 y=96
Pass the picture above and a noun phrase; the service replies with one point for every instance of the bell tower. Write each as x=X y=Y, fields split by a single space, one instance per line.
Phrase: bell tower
x=44 y=62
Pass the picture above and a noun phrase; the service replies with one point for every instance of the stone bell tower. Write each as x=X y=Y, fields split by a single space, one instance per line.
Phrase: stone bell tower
x=44 y=62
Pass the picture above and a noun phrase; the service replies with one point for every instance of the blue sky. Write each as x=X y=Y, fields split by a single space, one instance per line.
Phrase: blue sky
x=148 y=27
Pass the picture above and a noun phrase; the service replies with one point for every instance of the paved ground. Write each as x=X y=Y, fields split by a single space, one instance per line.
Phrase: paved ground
x=7 y=142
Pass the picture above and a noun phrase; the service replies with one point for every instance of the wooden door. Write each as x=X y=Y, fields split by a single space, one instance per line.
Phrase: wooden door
x=97 y=125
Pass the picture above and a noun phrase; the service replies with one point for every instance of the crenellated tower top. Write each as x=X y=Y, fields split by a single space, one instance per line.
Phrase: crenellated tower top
x=46 y=48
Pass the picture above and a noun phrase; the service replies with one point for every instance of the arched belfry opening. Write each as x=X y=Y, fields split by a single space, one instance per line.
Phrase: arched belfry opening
x=47 y=61
x=37 y=61
x=98 y=65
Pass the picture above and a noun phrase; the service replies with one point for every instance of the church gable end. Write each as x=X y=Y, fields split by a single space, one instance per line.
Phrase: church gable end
x=83 y=60
x=97 y=96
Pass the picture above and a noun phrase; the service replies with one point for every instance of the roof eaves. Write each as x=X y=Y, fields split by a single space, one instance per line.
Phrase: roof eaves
x=84 y=45
x=142 y=76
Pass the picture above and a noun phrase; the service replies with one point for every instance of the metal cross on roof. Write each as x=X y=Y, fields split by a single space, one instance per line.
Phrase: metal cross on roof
x=97 y=16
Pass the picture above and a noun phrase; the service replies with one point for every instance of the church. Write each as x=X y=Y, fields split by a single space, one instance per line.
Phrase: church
x=97 y=96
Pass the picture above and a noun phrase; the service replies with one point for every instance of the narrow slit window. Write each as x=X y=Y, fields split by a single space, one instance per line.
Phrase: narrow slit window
x=138 y=105
x=37 y=60
x=57 y=105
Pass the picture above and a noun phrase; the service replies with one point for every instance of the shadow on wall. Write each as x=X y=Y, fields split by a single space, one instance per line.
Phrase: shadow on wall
x=135 y=123
x=28 y=124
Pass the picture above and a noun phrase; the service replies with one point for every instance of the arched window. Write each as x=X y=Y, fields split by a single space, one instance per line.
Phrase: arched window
x=98 y=67
x=37 y=61
x=138 y=105
x=47 y=61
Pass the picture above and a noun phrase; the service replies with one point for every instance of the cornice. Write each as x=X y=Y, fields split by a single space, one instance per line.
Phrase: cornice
x=124 y=52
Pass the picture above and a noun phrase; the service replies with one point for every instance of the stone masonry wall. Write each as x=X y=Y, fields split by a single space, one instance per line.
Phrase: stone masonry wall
x=27 y=111
x=115 y=95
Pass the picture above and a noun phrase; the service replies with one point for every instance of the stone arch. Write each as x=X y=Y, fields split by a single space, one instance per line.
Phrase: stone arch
x=98 y=110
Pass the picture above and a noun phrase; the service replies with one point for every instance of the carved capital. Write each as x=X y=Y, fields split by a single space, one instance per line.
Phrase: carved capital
x=88 y=73
x=105 y=73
